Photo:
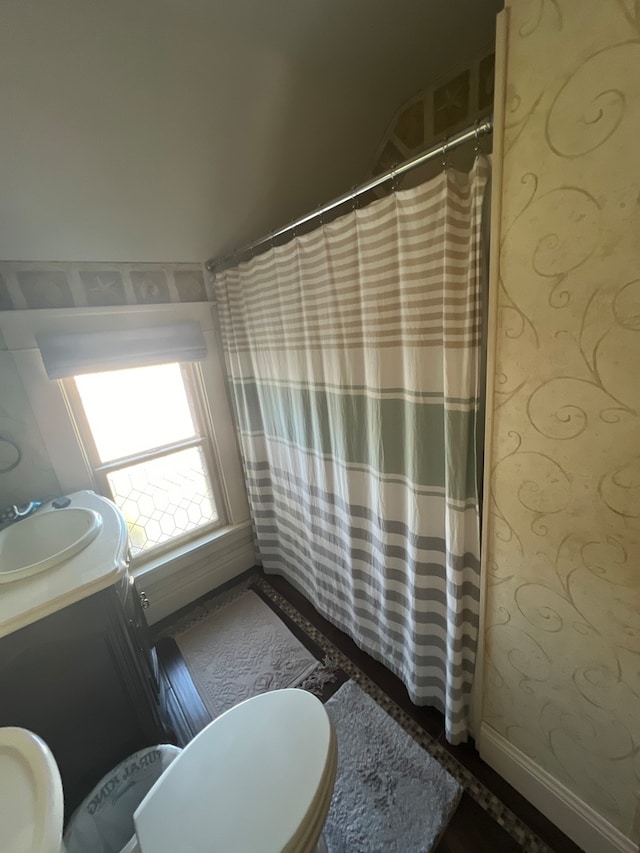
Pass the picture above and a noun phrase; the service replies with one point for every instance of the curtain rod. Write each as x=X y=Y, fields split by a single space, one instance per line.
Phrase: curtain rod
x=479 y=129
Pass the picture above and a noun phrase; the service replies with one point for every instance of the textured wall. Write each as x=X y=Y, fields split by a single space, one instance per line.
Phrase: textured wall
x=563 y=627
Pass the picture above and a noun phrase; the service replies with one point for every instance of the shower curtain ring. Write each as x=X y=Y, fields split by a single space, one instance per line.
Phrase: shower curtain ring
x=445 y=153
x=478 y=148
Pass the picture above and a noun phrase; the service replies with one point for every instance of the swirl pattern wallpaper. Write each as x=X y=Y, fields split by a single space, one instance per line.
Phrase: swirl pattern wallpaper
x=562 y=679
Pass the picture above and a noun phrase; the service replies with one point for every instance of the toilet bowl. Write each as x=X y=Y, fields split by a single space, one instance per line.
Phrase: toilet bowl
x=258 y=778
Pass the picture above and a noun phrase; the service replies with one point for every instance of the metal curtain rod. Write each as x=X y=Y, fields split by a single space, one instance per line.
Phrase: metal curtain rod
x=479 y=129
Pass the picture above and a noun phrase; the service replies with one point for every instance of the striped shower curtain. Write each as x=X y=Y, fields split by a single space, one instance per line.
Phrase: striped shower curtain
x=353 y=358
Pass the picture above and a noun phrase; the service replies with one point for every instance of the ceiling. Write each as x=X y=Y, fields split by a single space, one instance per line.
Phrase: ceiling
x=176 y=130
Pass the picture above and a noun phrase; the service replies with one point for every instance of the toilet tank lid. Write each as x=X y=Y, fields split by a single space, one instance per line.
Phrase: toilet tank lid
x=247 y=782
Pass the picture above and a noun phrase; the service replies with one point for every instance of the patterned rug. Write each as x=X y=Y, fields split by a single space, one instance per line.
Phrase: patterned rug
x=237 y=648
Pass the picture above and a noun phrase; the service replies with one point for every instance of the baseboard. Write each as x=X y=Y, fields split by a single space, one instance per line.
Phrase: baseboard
x=588 y=829
x=173 y=586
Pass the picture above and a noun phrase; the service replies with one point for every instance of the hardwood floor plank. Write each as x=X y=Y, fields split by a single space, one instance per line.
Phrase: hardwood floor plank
x=186 y=709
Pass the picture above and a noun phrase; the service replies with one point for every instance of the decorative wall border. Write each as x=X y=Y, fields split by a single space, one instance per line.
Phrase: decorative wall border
x=446 y=106
x=73 y=284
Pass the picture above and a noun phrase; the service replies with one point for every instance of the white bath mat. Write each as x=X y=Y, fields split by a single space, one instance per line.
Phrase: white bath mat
x=390 y=794
x=239 y=650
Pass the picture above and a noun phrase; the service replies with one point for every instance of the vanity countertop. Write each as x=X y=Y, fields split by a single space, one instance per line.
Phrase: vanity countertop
x=103 y=562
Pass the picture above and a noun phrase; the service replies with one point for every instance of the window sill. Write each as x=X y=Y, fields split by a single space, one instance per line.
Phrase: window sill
x=180 y=575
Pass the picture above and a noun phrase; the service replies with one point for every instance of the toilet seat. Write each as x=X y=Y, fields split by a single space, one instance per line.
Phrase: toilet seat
x=258 y=778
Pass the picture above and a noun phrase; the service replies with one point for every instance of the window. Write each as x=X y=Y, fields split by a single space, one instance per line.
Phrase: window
x=145 y=435
x=55 y=350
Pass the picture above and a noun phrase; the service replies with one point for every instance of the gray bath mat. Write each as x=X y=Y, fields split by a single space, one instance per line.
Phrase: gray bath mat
x=390 y=794
x=241 y=649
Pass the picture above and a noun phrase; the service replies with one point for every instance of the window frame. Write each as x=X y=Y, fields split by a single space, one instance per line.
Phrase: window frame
x=194 y=387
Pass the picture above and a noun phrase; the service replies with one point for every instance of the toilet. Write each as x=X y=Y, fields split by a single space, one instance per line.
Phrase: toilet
x=258 y=779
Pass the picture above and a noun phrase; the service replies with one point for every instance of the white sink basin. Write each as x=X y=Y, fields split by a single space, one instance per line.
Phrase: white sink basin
x=31 y=805
x=45 y=540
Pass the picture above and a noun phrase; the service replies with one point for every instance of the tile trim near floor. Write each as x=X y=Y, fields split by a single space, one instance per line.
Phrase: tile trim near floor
x=488 y=801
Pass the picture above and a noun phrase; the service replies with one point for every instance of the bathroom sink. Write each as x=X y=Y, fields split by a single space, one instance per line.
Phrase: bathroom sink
x=31 y=805
x=44 y=540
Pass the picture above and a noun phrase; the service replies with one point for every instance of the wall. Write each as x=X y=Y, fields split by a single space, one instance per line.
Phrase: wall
x=562 y=687
x=33 y=477
x=180 y=129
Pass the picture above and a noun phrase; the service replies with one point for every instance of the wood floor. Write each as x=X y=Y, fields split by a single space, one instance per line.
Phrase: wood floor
x=472 y=828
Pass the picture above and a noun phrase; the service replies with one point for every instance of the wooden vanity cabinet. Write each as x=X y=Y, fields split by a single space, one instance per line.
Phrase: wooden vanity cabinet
x=86 y=680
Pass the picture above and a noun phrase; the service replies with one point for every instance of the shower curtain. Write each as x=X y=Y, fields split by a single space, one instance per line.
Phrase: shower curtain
x=353 y=357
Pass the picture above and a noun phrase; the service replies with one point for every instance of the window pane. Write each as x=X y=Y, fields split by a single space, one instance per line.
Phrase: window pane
x=164 y=498
x=133 y=410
